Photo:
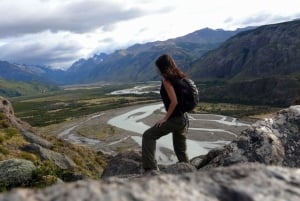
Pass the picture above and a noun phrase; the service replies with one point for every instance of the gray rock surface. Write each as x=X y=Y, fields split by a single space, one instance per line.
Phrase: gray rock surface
x=15 y=172
x=275 y=141
x=35 y=139
x=61 y=160
x=129 y=163
x=241 y=182
x=126 y=163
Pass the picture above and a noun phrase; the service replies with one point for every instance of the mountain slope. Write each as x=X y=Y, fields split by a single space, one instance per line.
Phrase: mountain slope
x=18 y=88
x=271 y=50
x=257 y=66
x=25 y=73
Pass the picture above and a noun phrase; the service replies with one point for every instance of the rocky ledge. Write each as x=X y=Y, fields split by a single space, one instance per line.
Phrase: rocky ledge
x=242 y=182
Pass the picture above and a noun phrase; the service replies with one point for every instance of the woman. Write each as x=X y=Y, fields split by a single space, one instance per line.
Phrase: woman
x=174 y=121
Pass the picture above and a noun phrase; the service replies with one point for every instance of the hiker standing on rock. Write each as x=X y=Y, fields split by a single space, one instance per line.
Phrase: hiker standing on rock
x=175 y=120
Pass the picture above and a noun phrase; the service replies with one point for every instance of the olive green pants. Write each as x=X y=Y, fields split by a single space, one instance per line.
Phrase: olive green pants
x=178 y=127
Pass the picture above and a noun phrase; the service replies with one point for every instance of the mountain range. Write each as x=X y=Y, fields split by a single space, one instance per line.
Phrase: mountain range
x=132 y=64
x=136 y=63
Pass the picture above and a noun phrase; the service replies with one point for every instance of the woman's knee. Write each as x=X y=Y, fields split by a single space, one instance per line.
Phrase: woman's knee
x=147 y=134
x=150 y=134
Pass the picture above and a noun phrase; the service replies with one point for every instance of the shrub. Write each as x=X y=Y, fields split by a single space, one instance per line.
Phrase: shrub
x=4 y=123
x=2 y=138
x=45 y=174
x=28 y=156
x=11 y=132
x=3 y=150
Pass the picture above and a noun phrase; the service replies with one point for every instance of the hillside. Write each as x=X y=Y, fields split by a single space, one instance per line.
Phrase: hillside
x=275 y=91
x=30 y=159
x=27 y=73
x=256 y=66
x=19 y=88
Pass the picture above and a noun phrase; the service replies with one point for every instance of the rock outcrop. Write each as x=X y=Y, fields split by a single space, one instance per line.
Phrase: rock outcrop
x=7 y=109
x=275 y=141
x=242 y=182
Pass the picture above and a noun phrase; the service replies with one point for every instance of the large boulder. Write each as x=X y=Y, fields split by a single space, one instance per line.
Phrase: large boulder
x=243 y=182
x=274 y=141
x=15 y=172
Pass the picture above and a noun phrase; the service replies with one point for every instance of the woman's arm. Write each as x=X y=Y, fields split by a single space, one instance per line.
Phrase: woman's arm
x=173 y=101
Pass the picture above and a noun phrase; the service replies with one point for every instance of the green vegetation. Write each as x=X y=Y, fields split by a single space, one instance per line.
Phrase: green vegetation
x=17 y=88
x=237 y=110
x=78 y=101
x=59 y=106
x=88 y=162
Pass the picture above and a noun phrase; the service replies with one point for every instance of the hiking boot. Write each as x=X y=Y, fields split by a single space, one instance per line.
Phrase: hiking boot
x=151 y=172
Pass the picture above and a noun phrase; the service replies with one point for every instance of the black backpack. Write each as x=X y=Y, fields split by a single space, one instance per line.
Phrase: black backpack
x=189 y=95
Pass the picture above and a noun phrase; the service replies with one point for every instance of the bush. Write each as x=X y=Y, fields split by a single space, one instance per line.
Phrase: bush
x=45 y=174
x=28 y=156
x=11 y=132
x=4 y=123
x=3 y=150
x=2 y=138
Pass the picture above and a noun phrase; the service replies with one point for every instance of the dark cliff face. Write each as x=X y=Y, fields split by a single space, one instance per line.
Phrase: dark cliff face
x=259 y=66
x=263 y=52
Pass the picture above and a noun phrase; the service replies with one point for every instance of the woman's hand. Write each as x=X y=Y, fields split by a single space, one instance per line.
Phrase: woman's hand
x=160 y=122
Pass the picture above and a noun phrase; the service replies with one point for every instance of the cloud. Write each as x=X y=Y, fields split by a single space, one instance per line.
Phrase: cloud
x=260 y=19
x=43 y=51
x=57 y=33
x=78 y=16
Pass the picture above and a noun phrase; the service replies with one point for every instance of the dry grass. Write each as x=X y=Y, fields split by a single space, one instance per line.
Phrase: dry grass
x=100 y=131
x=89 y=163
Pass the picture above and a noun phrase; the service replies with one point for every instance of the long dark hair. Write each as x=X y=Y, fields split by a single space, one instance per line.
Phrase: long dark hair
x=168 y=68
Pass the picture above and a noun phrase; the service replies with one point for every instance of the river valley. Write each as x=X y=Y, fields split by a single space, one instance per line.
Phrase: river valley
x=121 y=129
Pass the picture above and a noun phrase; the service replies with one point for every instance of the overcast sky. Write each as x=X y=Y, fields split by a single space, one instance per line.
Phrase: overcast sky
x=59 y=32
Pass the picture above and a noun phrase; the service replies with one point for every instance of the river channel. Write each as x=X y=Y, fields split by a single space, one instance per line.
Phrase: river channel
x=206 y=131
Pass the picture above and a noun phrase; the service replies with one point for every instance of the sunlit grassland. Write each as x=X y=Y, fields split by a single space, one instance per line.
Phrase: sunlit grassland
x=59 y=106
